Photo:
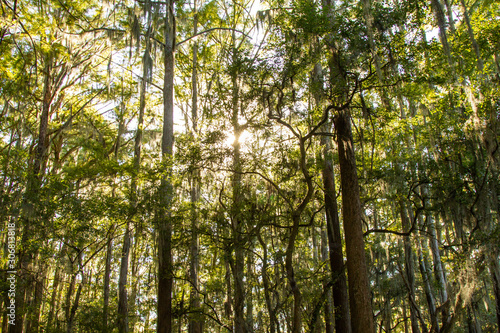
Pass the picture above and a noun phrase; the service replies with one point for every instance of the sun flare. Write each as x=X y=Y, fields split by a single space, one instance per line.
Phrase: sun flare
x=230 y=138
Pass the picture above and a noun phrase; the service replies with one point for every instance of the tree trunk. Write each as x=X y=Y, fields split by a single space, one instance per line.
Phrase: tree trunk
x=249 y=298
x=426 y=278
x=122 y=283
x=30 y=203
x=69 y=294
x=357 y=271
x=237 y=221
x=54 y=297
x=340 y=293
x=164 y=224
x=436 y=259
x=122 y=312
x=196 y=319
x=473 y=41
x=409 y=271
x=265 y=282
x=367 y=13
x=74 y=307
x=329 y=304
x=127 y=309
x=439 y=15
x=107 y=273
x=290 y=273
x=495 y=277
x=294 y=231
x=449 y=13
x=336 y=257
x=33 y=321
x=228 y=304
x=134 y=280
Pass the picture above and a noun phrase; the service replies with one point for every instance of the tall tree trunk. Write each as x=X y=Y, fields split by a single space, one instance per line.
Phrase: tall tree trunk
x=136 y=244
x=123 y=302
x=69 y=295
x=449 y=13
x=437 y=8
x=195 y=320
x=340 y=293
x=436 y=259
x=473 y=41
x=228 y=304
x=367 y=13
x=495 y=276
x=357 y=270
x=409 y=270
x=290 y=273
x=147 y=68
x=294 y=231
x=336 y=256
x=387 y=316
x=122 y=312
x=265 y=282
x=33 y=321
x=54 y=297
x=249 y=295
x=426 y=278
x=164 y=224
x=329 y=305
x=107 y=273
x=74 y=307
x=122 y=283
x=30 y=202
x=360 y=307
x=237 y=221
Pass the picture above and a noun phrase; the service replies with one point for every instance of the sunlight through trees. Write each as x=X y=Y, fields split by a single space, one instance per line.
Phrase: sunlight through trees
x=250 y=166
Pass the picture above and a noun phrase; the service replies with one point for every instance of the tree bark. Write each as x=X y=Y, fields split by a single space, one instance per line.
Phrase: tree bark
x=196 y=319
x=329 y=304
x=290 y=273
x=164 y=223
x=449 y=13
x=69 y=295
x=228 y=304
x=473 y=41
x=54 y=297
x=357 y=271
x=367 y=13
x=336 y=256
x=409 y=271
x=122 y=283
x=134 y=280
x=107 y=273
x=31 y=200
x=122 y=312
x=33 y=321
x=437 y=8
x=267 y=290
x=495 y=277
x=249 y=295
x=74 y=307
x=426 y=279
x=436 y=259
x=236 y=216
x=146 y=73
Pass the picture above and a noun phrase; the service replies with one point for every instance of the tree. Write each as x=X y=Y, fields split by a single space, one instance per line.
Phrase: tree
x=236 y=224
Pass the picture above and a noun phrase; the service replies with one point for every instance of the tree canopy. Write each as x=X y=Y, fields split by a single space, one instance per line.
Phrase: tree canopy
x=250 y=166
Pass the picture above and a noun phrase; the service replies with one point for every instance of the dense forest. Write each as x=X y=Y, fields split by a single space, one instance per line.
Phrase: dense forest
x=244 y=166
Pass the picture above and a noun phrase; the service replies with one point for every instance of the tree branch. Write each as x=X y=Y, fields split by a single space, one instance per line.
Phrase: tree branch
x=207 y=31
